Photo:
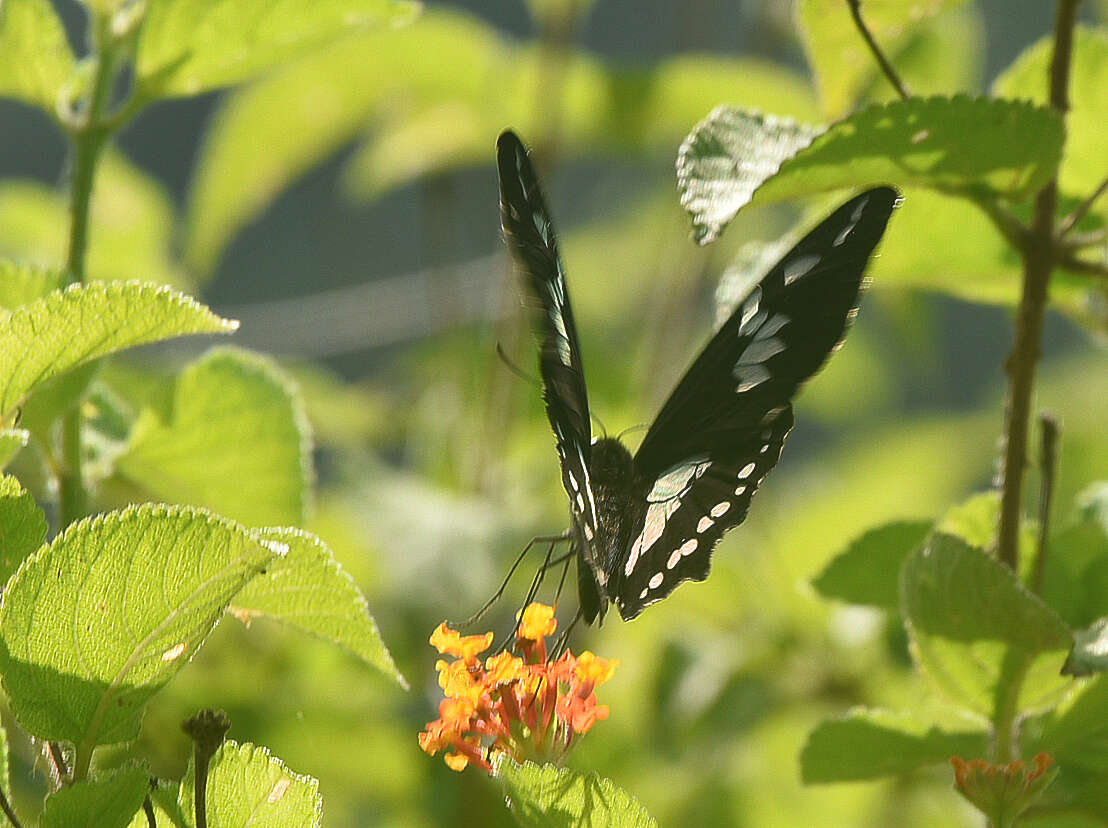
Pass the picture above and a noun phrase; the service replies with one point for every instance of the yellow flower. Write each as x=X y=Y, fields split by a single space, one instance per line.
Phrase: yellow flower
x=595 y=670
x=537 y=622
x=503 y=668
x=450 y=642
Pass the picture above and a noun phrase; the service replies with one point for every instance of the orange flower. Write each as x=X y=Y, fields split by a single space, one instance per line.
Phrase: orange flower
x=529 y=708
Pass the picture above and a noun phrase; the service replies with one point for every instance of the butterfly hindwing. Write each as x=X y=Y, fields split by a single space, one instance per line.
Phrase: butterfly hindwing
x=688 y=508
x=534 y=248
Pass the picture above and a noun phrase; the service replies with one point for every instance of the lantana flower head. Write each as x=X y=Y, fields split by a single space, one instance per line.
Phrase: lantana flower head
x=1003 y=792
x=524 y=706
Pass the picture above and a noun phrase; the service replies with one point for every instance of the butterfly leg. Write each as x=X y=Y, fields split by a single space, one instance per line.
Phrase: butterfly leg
x=552 y=539
x=563 y=639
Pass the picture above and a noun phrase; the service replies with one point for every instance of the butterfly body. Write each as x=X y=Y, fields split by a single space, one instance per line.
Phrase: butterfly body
x=645 y=522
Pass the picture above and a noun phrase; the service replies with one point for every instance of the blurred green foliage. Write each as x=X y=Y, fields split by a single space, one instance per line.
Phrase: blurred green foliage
x=429 y=473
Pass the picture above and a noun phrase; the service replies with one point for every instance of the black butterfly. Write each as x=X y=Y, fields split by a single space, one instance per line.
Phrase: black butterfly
x=642 y=524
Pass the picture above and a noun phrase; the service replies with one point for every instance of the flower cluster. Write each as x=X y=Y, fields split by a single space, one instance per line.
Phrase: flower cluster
x=525 y=706
x=1002 y=792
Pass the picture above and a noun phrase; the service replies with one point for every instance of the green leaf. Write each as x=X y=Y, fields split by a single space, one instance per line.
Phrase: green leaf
x=1087 y=119
x=22 y=283
x=968 y=615
x=553 y=797
x=972 y=146
x=421 y=116
x=36 y=60
x=310 y=591
x=1090 y=650
x=40 y=340
x=107 y=801
x=22 y=526
x=141 y=590
x=55 y=397
x=12 y=440
x=868 y=571
x=5 y=770
x=250 y=788
x=167 y=809
x=233 y=438
x=868 y=744
x=841 y=61
x=1075 y=578
x=1076 y=732
x=131 y=225
x=193 y=46
x=726 y=158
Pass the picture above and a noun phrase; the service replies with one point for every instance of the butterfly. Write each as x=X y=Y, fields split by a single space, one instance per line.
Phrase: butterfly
x=644 y=523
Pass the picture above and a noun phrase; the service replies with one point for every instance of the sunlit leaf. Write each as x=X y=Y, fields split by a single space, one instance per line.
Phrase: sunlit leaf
x=22 y=526
x=22 y=283
x=131 y=225
x=726 y=158
x=974 y=146
x=842 y=63
x=142 y=589
x=1090 y=650
x=11 y=441
x=191 y=46
x=70 y=327
x=553 y=797
x=310 y=591
x=1093 y=503
x=109 y=800
x=1083 y=162
x=250 y=788
x=966 y=641
x=868 y=571
x=232 y=437
x=36 y=59
x=869 y=744
x=430 y=115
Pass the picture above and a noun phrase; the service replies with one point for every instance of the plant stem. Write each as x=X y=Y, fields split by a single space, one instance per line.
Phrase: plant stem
x=1006 y=707
x=1038 y=261
x=882 y=61
x=87 y=139
x=1047 y=467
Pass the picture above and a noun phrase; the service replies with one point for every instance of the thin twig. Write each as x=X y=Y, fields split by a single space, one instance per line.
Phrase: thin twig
x=59 y=769
x=882 y=61
x=1048 y=459
x=9 y=811
x=1079 y=212
x=1075 y=264
x=1038 y=262
x=148 y=807
x=1093 y=238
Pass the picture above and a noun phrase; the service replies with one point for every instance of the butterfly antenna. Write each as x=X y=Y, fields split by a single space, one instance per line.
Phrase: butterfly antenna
x=639 y=427
x=515 y=369
x=600 y=423
x=473 y=619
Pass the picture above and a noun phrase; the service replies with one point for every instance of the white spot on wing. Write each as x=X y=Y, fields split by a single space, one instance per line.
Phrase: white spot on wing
x=800 y=267
x=572 y=480
x=642 y=594
x=720 y=509
x=656 y=580
x=760 y=350
x=688 y=547
x=588 y=532
x=750 y=306
x=673 y=559
x=674 y=481
x=845 y=234
x=705 y=524
x=746 y=471
x=740 y=491
x=750 y=377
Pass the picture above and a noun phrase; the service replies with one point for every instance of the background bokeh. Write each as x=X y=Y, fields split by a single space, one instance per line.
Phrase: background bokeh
x=365 y=254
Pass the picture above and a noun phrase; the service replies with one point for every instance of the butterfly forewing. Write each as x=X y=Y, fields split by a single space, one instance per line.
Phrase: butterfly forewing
x=534 y=248
x=776 y=339
x=722 y=429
